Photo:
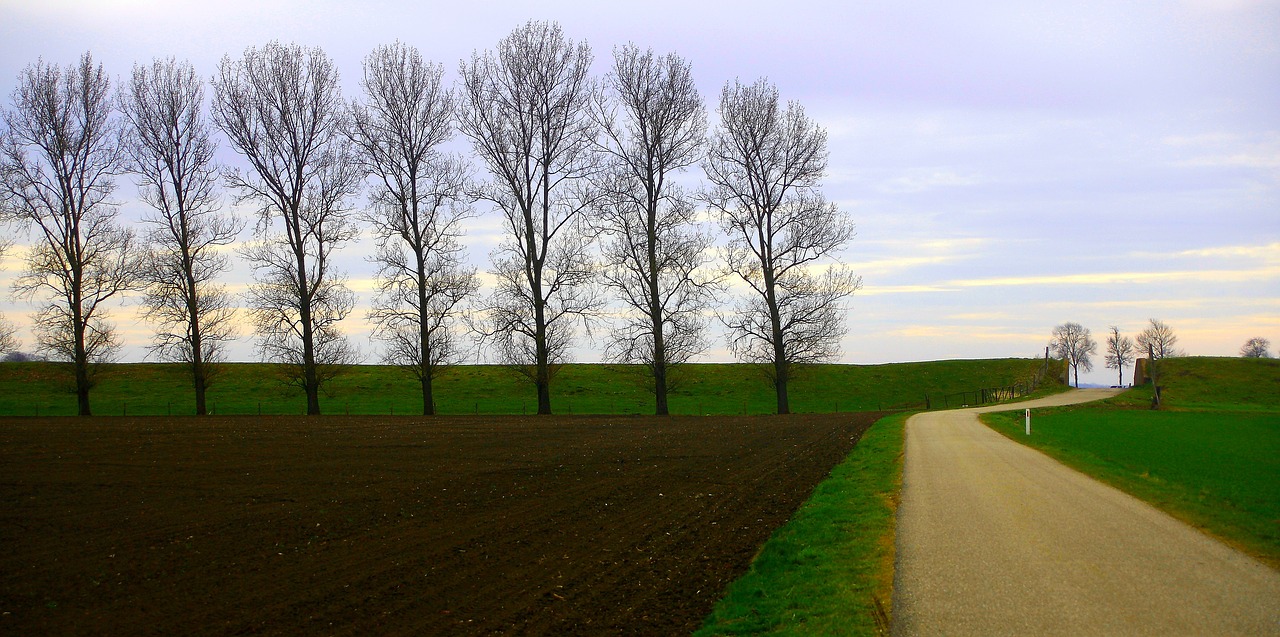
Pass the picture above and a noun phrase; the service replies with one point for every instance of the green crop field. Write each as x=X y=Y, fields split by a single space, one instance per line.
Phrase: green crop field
x=1211 y=456
x=28 y=389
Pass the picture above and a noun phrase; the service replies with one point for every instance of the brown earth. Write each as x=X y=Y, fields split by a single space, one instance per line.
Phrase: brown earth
x=376 y=525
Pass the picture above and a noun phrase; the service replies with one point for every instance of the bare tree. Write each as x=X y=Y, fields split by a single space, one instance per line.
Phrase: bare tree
x=1159 y=339
x=168 y=147
x=1073 y=343
x=1120 y=352
x=281 y=107
x=525 y=108
x=1256 y=347
x=60 y=154
x=765 y=165
x=419 y=202
x=654 y=126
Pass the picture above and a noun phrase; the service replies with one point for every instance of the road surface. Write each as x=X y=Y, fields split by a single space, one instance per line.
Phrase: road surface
x=995 y=538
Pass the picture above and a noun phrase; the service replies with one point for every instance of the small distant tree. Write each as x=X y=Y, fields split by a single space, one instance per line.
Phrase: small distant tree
x=1256 y=347
x=169 y=148
x=1120 y=352
x=1073 y=343
x=1159 y=340
x=419 y=202
x=765 y=166
x=59 y=154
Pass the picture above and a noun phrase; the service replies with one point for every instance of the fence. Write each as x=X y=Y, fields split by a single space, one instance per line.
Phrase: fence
x=987 y=395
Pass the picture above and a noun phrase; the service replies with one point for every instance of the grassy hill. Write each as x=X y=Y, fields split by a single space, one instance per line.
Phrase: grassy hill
x=249 y=388
x=1215 y=384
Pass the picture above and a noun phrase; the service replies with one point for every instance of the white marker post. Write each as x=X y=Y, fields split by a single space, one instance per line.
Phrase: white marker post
x=1028 y=422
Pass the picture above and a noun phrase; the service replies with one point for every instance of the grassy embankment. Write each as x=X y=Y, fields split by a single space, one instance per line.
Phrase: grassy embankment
x=1210 y=457
x=28 y=389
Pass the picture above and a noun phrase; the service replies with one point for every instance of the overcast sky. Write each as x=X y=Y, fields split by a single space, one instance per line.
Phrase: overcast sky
x=1009 y=165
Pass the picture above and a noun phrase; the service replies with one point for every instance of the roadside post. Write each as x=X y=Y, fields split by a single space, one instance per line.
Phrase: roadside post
x=1028 y=421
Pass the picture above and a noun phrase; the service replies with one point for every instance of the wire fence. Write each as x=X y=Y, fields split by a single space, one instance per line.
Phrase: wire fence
x=988 y=395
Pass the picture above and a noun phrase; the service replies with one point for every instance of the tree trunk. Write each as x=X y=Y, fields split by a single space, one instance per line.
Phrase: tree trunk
x=201 y=383
x=428 y=399
x=780 y=385
x=309 y=380
x=80 y=358
x=660 y=389
x=193 y=319
x=542 y=375
x=543 y=382
x=82 y=385
x=424 y=334
x=781 y=370
x=655 y=316
x=197 y=359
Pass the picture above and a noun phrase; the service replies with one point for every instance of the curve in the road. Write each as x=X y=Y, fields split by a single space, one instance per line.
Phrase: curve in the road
x=995 y=538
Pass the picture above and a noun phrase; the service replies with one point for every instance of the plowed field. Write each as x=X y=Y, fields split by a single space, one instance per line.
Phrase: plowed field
x=376 y=525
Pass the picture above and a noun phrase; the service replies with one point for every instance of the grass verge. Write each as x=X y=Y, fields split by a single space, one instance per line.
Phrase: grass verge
x=829 y=570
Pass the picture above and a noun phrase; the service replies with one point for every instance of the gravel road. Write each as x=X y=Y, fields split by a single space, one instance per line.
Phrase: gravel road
x=994 y=538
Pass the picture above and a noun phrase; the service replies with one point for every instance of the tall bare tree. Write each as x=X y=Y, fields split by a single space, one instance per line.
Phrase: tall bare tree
x=654 y=126
x=419 y=202
x=1256 y=347
x=765 y=165
x=1120 y=352
x=1073 y=343
x=282 y=109
x=59 y=155
x=169 y=149
x=1159 y=339
x=525 y=108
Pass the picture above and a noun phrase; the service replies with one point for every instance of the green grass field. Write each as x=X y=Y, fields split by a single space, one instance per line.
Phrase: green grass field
x=1211 y=457
x=28 y=389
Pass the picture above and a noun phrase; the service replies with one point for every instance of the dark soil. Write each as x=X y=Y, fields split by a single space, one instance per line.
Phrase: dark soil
x=377 y=525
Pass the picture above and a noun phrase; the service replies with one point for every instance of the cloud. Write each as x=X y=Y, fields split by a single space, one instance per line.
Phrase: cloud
x=878 y=290
x=1122 y=278
x=924 y=179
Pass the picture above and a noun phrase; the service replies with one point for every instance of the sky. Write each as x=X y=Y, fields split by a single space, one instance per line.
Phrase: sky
x=1009 y=166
